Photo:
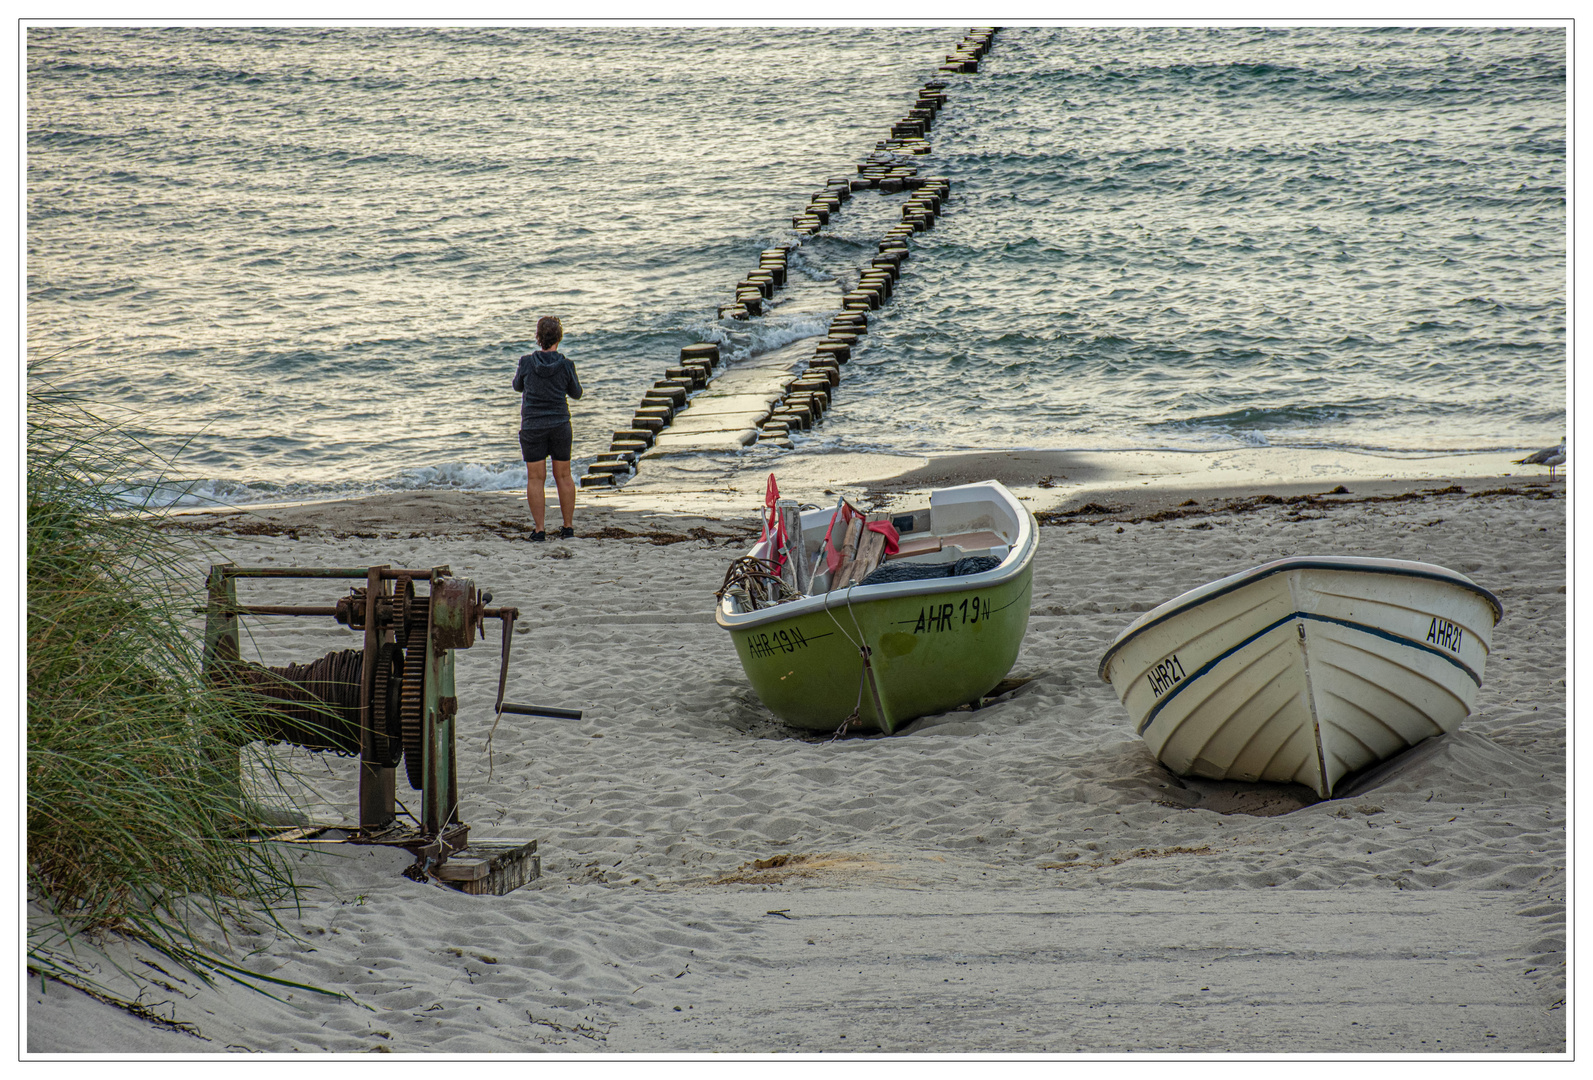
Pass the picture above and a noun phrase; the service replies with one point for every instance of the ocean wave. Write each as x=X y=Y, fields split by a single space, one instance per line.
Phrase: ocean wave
x=768 y=335
x=462 y=476
x=214 y=493
x=220 y=494
x=1251 y=423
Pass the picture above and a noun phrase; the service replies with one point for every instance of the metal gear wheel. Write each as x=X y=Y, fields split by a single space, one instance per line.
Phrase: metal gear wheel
x=416 y=622
x=411 y=730
x=403 y=606
x=385 y=700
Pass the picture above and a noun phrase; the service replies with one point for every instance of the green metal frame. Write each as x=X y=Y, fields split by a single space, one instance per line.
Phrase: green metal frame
x=451 y=623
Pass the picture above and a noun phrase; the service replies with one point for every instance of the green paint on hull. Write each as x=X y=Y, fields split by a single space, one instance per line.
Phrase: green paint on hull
x=930 y=653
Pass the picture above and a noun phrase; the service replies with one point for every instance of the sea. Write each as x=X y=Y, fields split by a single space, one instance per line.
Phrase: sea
x=303 y=261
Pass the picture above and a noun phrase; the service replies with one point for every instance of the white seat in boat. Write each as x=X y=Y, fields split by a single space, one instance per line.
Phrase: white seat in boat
x=909 y=546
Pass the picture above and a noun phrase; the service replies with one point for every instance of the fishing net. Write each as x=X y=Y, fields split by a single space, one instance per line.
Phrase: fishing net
x=892 y=572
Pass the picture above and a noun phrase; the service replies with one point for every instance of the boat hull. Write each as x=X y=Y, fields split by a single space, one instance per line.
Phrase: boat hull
x=928 y=653
x=1306 y=670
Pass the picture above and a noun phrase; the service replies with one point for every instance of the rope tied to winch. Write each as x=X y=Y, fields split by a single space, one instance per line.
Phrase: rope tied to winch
x=314 y=705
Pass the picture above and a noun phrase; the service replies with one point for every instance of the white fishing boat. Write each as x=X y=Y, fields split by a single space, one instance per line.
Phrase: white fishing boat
x=1304 y=670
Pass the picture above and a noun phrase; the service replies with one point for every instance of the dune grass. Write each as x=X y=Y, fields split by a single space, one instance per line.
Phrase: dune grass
x=134 y=819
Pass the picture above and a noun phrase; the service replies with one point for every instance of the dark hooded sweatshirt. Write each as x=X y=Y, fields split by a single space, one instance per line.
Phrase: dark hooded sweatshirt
x=544 y=378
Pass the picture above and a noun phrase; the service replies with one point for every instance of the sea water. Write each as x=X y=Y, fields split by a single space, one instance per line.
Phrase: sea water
x=309 y=257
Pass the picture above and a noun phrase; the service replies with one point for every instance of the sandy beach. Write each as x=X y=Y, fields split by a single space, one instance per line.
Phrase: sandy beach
x=1023 y=877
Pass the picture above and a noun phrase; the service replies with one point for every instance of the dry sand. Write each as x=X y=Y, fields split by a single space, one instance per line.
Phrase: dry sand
x=1020 y=878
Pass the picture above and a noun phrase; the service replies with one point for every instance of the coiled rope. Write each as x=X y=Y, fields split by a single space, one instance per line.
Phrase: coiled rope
x=314 y=705
x=759 y=578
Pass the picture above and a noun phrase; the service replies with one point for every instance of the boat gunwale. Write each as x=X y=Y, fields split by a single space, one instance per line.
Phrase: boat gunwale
x=1024 y=548
x=1222 y=586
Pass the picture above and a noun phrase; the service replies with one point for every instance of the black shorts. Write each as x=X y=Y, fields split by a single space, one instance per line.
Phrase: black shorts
x=546 y=442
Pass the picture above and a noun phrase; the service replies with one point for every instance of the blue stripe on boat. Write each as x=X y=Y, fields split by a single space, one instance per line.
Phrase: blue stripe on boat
x=1397 y=639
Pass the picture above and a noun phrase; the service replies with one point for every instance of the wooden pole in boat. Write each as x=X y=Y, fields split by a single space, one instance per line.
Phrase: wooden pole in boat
x=854 y=530
x=795 y=574
x=870 y=551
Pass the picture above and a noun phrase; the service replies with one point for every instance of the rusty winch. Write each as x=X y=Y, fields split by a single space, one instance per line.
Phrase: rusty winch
x=391 y=702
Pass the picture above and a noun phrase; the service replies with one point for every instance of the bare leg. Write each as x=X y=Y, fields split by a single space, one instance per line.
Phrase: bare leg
x=536 y=490
x=566 y=485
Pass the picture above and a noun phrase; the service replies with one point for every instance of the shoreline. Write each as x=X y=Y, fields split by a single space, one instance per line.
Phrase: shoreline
x=722 y=494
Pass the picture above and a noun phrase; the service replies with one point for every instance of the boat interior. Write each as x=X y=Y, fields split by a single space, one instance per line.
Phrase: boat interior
x=919 y=542
x=969 y=529
x=964 y=530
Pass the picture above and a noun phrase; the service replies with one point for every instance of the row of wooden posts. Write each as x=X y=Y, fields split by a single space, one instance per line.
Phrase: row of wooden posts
x=808 y=396
x=971 y=50
x=807 y=400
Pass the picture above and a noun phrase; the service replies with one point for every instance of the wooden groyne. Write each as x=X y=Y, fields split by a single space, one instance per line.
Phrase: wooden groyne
x=702 y=403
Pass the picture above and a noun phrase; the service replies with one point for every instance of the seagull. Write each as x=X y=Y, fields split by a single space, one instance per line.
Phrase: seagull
x=1553 y=457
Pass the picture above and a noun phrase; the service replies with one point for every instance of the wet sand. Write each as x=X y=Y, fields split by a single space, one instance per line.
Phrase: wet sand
x=1019 y=878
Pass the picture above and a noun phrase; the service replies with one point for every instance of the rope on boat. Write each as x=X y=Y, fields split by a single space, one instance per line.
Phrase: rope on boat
x=867 y=672
x=760 y=580
x=752 y=575
x=856 y=715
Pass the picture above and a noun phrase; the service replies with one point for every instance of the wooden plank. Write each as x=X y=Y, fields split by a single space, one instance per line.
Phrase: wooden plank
x=870 y=550
x=304 y=832
x=928 y=545
x=917 y=545
x=498 y=869
x=794 y=574
x=506 y=879
x=463 y=868
x=854 y=529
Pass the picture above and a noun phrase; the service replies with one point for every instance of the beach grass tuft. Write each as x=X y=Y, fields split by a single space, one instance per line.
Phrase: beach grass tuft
x=135 y=824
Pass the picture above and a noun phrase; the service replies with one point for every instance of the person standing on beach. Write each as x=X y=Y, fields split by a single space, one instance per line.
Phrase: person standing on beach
x=545 y=378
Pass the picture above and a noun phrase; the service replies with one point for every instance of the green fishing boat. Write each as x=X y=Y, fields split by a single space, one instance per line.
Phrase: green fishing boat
x=875 y=642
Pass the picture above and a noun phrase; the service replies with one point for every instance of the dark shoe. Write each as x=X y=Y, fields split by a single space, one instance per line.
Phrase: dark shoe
x=538 y=536
x=566 y=533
